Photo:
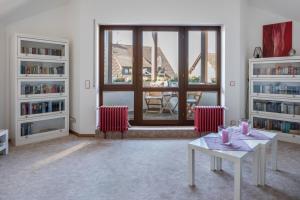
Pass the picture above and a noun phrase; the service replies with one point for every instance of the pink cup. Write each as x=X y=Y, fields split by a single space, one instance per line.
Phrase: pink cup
x=225 y=136
x=245 y=127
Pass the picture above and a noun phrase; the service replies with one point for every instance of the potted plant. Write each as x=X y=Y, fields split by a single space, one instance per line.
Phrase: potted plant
x=120 y=80
x=194 y=79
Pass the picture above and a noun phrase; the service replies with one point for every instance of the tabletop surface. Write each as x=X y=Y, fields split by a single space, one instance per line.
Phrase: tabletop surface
x=200 y=144
x=3 y=131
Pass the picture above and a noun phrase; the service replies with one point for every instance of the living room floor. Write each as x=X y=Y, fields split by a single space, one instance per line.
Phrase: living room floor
x=92 y=168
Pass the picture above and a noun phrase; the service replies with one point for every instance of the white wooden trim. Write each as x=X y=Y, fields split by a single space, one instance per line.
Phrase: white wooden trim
x=275 y=59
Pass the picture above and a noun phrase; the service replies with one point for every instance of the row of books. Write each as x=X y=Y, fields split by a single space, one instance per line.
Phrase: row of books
x=41 y=88
x=30 y=108
x=26 y=129
x=277 y=70
x=30 y=128
x=39 y=69
x=276 y=107
x=276 y=88
x=42 y=51
x=283 y=126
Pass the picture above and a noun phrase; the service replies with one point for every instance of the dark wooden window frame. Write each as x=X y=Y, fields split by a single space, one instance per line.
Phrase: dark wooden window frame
x=137 y=72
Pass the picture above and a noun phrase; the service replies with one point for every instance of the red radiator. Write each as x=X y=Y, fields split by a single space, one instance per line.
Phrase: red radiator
x=113 y=118
x=208 y=118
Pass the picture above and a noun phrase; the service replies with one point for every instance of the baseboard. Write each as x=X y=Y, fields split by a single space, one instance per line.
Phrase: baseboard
x=154 y=133
x=81 y=135
x=146 y=132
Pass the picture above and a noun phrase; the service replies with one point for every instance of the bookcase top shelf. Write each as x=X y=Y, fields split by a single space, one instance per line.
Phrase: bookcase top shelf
x=274 y=59
x=42 y=48
x=41 y=38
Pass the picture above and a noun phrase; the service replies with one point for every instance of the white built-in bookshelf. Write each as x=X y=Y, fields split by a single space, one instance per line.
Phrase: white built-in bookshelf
x=274 y=96
x=39 y=88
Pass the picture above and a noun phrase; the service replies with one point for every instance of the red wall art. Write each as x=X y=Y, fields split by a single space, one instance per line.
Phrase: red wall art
x=277 y=39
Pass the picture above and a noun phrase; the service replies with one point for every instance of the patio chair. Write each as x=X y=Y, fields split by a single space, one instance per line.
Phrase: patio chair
x=154 y=101
x=193 y=99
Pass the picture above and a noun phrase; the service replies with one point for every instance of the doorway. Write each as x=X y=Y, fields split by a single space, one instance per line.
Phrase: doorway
x=160 y=72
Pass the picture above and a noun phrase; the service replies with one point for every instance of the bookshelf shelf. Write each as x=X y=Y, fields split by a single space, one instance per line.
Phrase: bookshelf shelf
x=40 y=88
x=42 y=125
x=274 y=96
x=42 y=48
x=42 y=107
x=31 y=68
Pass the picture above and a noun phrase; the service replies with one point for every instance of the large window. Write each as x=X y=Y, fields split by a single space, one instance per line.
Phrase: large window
x=160 y=72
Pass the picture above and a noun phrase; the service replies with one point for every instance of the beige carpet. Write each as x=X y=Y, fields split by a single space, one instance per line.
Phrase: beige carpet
x=80 y=168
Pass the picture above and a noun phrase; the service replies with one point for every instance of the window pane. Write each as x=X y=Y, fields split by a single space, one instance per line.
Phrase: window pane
x=160 y=59
x=160 y=105
x=118 y=57
x=121 y=99
x=198 y=98
x=202 y=59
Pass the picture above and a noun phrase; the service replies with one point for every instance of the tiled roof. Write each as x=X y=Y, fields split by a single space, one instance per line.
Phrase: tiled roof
x=122 y=56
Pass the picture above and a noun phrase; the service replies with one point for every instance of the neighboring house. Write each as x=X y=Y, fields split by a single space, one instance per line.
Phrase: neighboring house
x=122 y=62
x=211 y=68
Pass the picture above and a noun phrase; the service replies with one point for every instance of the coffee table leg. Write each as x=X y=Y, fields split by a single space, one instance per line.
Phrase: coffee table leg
x=218 y=163
x=256 y=166
x=191 y=166
x=262 y=170
x=215 y=163
x=274 y=154
x=237 y=180
x=212 y=163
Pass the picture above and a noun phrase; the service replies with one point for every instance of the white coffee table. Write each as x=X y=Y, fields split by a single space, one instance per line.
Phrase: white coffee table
x=259 y=159
x=216 y=160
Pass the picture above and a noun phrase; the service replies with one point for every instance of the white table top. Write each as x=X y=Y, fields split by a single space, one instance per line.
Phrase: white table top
x=200 y=144
x=271 y=135
x=3 y=131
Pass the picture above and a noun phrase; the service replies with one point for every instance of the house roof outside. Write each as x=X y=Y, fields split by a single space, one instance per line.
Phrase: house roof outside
x=122 y=57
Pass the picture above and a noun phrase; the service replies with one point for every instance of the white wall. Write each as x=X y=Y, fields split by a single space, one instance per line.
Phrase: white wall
x=199 y=12
x=243 y=58
x=3 y=81
x=256 y=18
x=75 y=22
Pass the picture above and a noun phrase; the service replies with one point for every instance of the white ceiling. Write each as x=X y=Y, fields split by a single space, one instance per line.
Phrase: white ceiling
x=289 y=9
x=12 y=10
x=7 y=6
